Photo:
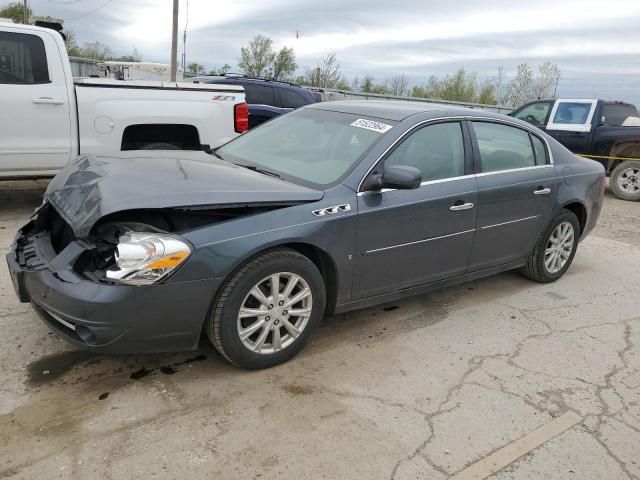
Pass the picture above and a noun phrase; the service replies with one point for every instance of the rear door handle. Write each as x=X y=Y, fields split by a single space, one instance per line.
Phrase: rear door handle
x=462 y=206
x=542 y=191
x=47 y=101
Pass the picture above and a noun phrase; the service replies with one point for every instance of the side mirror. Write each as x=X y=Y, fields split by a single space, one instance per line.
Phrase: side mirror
x=400 y=177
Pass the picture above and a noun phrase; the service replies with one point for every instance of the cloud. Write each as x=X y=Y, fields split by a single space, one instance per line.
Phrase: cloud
x=595 y=43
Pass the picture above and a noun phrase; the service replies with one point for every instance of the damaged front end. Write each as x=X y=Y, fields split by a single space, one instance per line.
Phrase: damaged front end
x=133 y=247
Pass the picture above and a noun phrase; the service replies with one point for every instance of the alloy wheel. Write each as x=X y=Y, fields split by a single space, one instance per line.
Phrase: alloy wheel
x=274 y=313
x=559 y=247
x=629 y=180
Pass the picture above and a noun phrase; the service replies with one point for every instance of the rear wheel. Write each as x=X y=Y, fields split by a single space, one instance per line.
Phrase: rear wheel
x=267 y=310
x=555 y=248
x=625 y=180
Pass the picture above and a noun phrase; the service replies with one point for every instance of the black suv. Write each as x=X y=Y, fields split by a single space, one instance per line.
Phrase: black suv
x=266 y=98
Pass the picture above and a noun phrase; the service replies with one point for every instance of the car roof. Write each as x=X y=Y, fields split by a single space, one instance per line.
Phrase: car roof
x=397 y=110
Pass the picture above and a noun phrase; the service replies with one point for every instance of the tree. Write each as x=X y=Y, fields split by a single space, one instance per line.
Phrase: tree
x=256 y=60
x=367 y=84
x=399 y=85
x=520 y=88
x=546 y=80
x=326 y=74
x=70 y=42
x=15 y=11
x=96 y=50
x=498 y=83
x=284 y=64
x=487 y=93
x=220 y=71
x=195 y=69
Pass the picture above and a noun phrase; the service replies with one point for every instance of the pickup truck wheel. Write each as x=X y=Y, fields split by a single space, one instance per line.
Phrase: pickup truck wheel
x=267 y=310
x=625 y=181
x=555 y=248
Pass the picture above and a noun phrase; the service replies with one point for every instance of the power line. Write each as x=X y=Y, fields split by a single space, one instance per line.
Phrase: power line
x=92 y=11
x=65 y=3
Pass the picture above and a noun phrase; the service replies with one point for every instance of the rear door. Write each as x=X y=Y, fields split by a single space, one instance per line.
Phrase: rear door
x=516 y=190
x=35 y=129
x=411 y=237
x=570 y=123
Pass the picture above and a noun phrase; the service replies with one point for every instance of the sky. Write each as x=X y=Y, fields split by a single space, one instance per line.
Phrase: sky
x=596 y=43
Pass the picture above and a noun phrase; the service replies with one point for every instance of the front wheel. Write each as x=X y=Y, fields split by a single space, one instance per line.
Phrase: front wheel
x=267 y=310
x=625 y=181
x=555 y=248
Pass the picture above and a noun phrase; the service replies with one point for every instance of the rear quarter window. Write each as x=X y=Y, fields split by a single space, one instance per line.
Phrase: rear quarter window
x=259 y=94
x=291 y=98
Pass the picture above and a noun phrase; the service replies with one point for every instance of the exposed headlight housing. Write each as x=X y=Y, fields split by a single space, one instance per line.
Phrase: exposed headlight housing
x=143 y=258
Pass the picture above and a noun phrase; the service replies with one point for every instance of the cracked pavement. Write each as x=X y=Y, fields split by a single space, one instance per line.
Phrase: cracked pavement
x=419 y=391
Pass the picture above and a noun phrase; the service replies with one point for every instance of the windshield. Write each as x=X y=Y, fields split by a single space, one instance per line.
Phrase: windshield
x=315 y=146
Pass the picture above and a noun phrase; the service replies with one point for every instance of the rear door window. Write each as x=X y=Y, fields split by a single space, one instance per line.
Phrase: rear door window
x=503 y=147
x=22 y=59
x=572 y=115
x=259 y=94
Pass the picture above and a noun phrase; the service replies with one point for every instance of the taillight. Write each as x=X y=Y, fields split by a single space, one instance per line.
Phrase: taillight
x=241 y=117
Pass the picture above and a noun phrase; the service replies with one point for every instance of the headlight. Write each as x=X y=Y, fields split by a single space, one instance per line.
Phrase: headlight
x=145 y=258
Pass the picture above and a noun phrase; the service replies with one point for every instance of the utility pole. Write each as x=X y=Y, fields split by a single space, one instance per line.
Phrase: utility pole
x=26 y=13
x=174 y=41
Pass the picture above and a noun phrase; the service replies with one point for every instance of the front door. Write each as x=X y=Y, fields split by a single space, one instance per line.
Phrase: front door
x=35 y=129
x=516 y=189
x=411 y=237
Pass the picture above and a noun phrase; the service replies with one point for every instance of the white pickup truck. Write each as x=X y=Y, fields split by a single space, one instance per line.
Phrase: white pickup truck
x=47 y=118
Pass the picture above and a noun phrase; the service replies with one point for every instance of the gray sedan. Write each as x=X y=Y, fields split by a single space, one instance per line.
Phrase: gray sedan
x=333 y=207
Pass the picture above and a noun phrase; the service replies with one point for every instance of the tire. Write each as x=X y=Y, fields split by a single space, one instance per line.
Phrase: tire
x=224 y=325
x=625 y=180
x=159 y=146
x=536 y=269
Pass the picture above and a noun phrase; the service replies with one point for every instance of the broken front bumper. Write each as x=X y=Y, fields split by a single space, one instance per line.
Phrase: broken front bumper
x=104 y=317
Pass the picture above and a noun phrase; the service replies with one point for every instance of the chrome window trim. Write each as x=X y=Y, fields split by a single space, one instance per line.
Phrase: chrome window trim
x=509 y=170
x=422 y=184
x=510 y=221
x=456 y=118
x=375 y=250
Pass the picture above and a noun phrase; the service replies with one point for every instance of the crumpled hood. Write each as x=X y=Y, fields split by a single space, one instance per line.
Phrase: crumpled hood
x=90 y=187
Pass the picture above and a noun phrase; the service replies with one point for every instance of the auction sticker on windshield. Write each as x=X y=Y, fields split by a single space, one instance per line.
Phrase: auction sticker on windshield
x=371 y=125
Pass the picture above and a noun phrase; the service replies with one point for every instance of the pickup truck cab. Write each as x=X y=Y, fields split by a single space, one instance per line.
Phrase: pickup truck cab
x=606 y=131
x=48 y=118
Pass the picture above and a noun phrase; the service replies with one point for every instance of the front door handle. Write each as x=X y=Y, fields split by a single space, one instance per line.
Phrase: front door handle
x=462 y=206
x=47 y=101
x=542 y=191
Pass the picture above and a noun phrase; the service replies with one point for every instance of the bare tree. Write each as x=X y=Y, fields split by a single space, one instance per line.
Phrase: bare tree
x=546 y=80
x=520 y=88
x=326 y=74
x=399 y=85
x=499 y=84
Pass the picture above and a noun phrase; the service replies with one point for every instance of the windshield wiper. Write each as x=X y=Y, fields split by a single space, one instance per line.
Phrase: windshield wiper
x=259 y=170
